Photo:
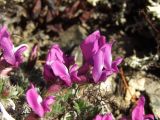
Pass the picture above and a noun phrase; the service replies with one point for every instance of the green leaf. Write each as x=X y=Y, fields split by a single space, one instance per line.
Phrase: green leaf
x=57 y=108
x=1 y=87
x=79 y=106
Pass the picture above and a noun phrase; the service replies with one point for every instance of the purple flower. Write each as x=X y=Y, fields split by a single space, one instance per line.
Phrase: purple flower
x=98 y=54
x=59 y=65
x=11 y=54
x=103 y=65
x=138 y=112
x=104 y=117
x=39 y=106
x=91 y=45
x=54 y=53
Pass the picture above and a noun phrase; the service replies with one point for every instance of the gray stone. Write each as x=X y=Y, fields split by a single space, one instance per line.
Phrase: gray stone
x=73 y=36
x=152 y=88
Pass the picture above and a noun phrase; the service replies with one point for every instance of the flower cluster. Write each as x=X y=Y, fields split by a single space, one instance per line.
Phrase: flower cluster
x=97 y=53
x=62 y=70
x=97 y=59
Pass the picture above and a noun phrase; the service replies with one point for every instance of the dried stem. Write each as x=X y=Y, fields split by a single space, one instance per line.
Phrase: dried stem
x=124 y=80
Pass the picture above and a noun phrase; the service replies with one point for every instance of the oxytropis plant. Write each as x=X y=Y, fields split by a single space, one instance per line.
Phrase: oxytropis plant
x=98 y=65
x=11 y=57
x=61 y=69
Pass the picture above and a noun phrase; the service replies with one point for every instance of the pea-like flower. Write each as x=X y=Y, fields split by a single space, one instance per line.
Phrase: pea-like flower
x=39 y=106
x=61 y=66
x=91 y=45
x=11 y=54
x=104 y=117
x=97 y=53
x=138 y=112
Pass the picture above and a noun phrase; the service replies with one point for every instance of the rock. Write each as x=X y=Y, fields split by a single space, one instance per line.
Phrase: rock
x=148 y=84
x=78 y=55
x=129 y=93
x=73 y=36
x=93 y=2
x=152 y=88
x=136 y=84
x=108 y=86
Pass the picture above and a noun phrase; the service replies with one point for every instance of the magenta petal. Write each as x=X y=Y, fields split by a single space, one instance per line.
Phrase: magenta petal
x=98 y=66
x=47 y=102
x=60 y=70
x=73 y=68
x=4 y=32
x=18 y=53
x=7 y=46
x=107 y=117
x=101 y=41
x=105 y=74
x=115 y=63
x=90 y=46
x=84 y=69
x=48 y=73
x=73 y=73
x=55 y=53
x=8 y=52
x=69 y=60
x=149 y=117
x=98 y=117
x=138 y=111
x=34 y=100
x=107 y=55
